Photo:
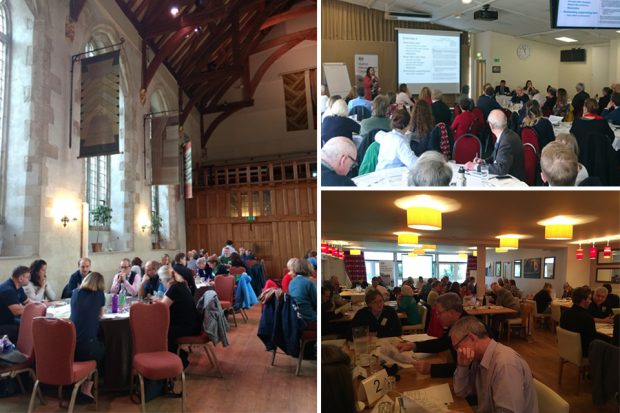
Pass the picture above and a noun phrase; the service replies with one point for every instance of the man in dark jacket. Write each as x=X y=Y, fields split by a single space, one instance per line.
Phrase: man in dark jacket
x=502 y=89
x=579 y=320
x=579 y=99
x=449 y=309
x=487 y=102
x=75 y=279
x=338 y=157
x=441 y=111
x=543 y=299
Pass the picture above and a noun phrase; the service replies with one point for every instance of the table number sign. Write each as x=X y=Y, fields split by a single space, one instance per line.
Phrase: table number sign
x=374 y=386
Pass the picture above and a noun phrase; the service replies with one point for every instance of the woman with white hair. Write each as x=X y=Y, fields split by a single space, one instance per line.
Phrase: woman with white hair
x=288 y=277
x=339 y=124
x=409 y=305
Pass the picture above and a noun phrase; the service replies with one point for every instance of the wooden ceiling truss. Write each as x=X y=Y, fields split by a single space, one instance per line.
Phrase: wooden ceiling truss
x=207 y=47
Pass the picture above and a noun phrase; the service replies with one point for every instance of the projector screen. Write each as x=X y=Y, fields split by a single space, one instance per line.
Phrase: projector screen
x=593 y=14
x=429 y=58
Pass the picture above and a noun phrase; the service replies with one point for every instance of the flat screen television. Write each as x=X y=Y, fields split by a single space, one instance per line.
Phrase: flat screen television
x=584 y=14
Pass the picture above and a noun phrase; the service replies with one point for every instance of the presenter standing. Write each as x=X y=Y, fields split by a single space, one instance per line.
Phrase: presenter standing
x=371 y=84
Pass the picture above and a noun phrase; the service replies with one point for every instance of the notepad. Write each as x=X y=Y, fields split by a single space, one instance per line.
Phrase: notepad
x=555 y=120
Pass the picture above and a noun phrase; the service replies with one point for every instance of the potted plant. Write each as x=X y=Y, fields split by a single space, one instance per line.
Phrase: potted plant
x=156 y=223
x=102 y=216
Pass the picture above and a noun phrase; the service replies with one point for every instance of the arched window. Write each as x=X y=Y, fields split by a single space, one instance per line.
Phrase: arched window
x=4 y=65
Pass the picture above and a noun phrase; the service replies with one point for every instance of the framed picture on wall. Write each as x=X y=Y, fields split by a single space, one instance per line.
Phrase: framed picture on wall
x=549 y=269
x=608 y=275
x=517 y=269
x=615 y=257
x=531 y=267
x=498 y=269
x=506 y=269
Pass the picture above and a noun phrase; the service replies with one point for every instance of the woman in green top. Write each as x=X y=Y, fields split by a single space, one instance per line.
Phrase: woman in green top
x=379 y=119
x=408 y=304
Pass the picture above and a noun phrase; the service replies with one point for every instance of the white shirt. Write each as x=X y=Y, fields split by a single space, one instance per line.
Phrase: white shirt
x=394 y=151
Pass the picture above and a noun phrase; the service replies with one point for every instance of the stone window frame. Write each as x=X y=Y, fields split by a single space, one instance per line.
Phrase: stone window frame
x=5 y=37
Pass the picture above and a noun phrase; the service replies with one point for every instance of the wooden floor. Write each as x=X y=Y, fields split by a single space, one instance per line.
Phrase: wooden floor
x=250 y=383
x=544 y=360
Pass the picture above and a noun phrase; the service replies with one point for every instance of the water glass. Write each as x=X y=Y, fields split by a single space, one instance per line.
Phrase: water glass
x=384 y=407
x=389 y=383
x=484 y=173
x=361 y=344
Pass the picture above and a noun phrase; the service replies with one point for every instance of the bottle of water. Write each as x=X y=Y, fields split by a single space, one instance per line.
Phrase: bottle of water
x=115 y=303
x=460 y=179
x=122 y=298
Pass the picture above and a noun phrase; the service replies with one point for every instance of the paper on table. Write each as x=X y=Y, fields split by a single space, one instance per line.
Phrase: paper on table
x=555 y=120
x=338 y=343
x=422 y=406
x=414 y=338
x=440 y=392
x=342 y=308
x=392 y=356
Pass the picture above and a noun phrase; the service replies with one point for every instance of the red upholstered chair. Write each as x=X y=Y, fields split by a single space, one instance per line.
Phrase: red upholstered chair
x=189 y=343
x=529 y=135
x=236 y=270
x=250 y=263
x=466 y=148
x=54 y=349
x=530 y=158
x=225 y=289
x=25 y=346
x=151 y=359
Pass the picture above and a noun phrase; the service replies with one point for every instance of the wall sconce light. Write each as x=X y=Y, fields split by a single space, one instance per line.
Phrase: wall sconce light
x=144 y=227
x=65 y=220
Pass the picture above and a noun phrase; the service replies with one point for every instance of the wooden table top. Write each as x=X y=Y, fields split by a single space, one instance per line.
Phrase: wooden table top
x=489 y=310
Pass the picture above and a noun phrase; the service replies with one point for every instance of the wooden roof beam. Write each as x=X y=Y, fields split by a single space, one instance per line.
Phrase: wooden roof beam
x=287 y=15
x=308 y=34
x=162 y=54
x=224 y=107
x=215 y=75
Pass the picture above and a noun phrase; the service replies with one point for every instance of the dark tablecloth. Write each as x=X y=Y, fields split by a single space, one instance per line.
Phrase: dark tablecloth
x=117 y=362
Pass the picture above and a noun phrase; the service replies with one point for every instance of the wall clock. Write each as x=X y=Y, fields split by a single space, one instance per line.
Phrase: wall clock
x=523 y=51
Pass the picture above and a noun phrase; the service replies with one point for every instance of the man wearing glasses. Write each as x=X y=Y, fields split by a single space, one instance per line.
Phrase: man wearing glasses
x=126 y=279
x=338 y=157
x=381 y=320
x=495 y=373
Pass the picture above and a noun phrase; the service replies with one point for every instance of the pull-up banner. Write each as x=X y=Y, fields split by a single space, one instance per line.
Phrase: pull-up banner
x=100 y=106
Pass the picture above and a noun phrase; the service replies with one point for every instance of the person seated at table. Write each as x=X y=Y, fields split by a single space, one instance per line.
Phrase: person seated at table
x=441 y=111
x=534 y=119
x=434 y=293
x=204 y=271
x=75 y=279
x=567 y=291
x=579 y=101
x=431 y=169
x=504 y=298
x=184 y=319
x=502 y=89
x=394 y=150
x=514 y=290
x=311 y=257
x=328 y=306
x=604 y=100
x=425 y=95
x=225 y=257
x=562 y=105
x=426 y=289
x=193 y=257
x=550 y=101
x=136 y=266
x=528 y=86
x=328 y=108
x=303 y=290
x=591 y=123
x=543 y=299
x=376 y=285
x=87 y=305
x=449 y=310
x=466 y=121
x=559 y=165
x=507 y=156
x=165 y=259
x=569 y=140
x=339 y=123
x=519 y=96
x=335 y=284
x=380 y=319
x=235 y=260
x=126 y=280
x=613 y=300
x=611 y=112
x=151 y=284
x=579 y=320
x=360 y=100
x=487 y=102
x=337 y=391
x=39 y=289
x=216 y=267
x=496 y=374
x=12 y=302
x=338 y=157
x=420 y=283
x=403 y=97
x=290 y=274
x=179 y=266
x=378 y=119
x=599 y=307
x=537 y=96
x=465 y=293
x=408 y=304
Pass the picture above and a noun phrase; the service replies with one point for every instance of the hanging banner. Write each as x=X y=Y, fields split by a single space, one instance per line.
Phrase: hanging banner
x=187 y=167
x=386 y=270
x=363 y=62
x=164 y=145
x=99 y=115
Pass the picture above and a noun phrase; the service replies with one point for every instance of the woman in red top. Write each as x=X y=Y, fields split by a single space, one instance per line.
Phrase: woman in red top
x=466 y=121
x=371 y=84
x=288 y=277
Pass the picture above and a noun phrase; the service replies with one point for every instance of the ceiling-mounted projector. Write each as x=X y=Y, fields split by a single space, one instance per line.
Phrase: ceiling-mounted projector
x=408 y=16
x=486 y=14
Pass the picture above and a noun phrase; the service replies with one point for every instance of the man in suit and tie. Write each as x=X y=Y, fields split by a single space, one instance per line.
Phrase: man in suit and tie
x=502 y=89
x=508 y=152
x=487 y=102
